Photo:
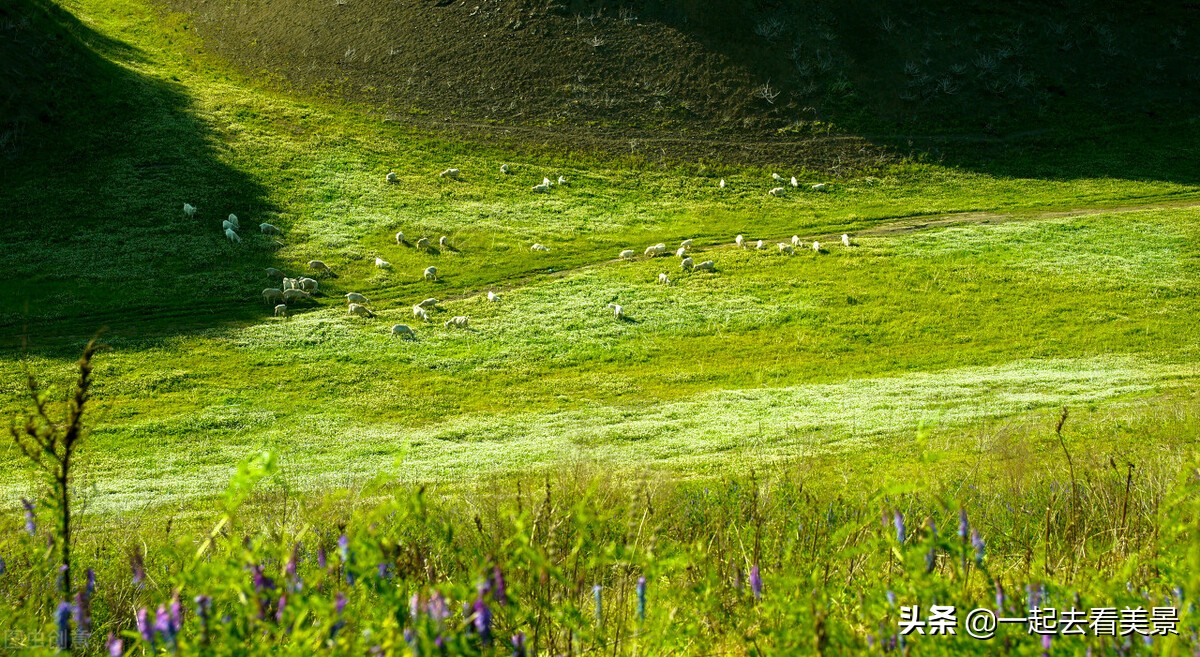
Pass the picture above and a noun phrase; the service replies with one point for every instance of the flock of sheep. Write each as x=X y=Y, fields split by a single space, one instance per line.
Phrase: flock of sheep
x=296 y=289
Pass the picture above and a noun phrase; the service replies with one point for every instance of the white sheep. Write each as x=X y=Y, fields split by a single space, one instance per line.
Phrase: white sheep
x=290 y=284
x=686 y=264
x=403 y=331
x=795 y=240
x=662 y=278
x=443 y=241
x=391 y=177
x=381 y=263
x=359 y=310
x=423 y=243
x=504 y=169
x=319 y=266
x=234 y=220
x=431 y=273
x=189 y=209
x=273 y=272
x=657 y=249
x=845 y=240
x=777 y=191
x=681 y=252
x=758 y=245
x=562 y=181
x=232 y=236
x=618 y=311
x=281 y=310
x=420 y=313
x=269 y=229
x=687 y=244
x=786 y=248
x=400 y=238
x=776 y=177
x=492 y=296
x=707 y=265
x=721 y=184
x=542 y=188
x=294 y=294
x=795 y=183
x=628 y=253
x=740 y=241
x=309 y=285
x=816 y=247
x=272 y=294
x=819 y=187
x=539 y=247
x=449 y=173
x=457 y=321
x=547 y=182
x=355 y=297
x=428 y=303
x=227 y=225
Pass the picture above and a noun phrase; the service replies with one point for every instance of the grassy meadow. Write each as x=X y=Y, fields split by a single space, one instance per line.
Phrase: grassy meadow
x=920 y=370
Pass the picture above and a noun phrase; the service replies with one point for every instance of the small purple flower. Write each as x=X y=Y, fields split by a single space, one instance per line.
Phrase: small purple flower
x=999 y=598
x=414 y=607
x=291 y=570
x=898 y=521
x=410 y=637
x=344 y=547
x=963 y=527
x=138 y=565
x=176 y=610
x=3 y=566
x=30 y=526
x=598 y=594
x=322 y=557
x=499 y=587
x=164 y=626
x=756 y=582
x=340 y=604
x=977 y=543
x=891 y=598
x=518 y=644
x=116 y=647
x=385 y=570
x=1046 y=645
x=261 y=581
x=143 y=625
x=62 y=620
x=932 y=528
x=280 y=607
x=483 y=620
x=439 y=610
x=641 y=599
x=83 y=612
x=90 y=587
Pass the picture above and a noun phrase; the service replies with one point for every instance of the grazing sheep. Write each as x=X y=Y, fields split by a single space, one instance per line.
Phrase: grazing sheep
x=443 y=241
x=686 y=264
x=319 y=266
x=391 y=177
x=542 y=188
x=381 y=263
x=234 y=220
x=449 y=173
x=681 y=252
x=281 y=310
x=457 y=321
x=294 y=294
x=290 y=284
x=562 y=181
x=795 y=240
x=309 y=285
x=428 y=303
x=400 y=238
x=759 y=245
x=721 y=184
x=786 y=248
x=819 y=187
x=740 y=241
x=355 y=297
x=492 y=296
x=268 y=229
x=273 y=272
x=189 y=209
x=628 y=253
x=403 y=331
x=420 y=313
x=232 y=236
x=817 y=247
x=657 y=249
x=539 y=247
x=504 y=169
x=431 y=273
x=777 y=191
x=662 y=278
x=707 y=265
x=687 y=244
x=227 y=225
x=618 y=311
x=845 y=240
x=795 y=183
x=272 y=294
x=423 y=243
x=547 y=182
x=359 y=310
x=776 y=177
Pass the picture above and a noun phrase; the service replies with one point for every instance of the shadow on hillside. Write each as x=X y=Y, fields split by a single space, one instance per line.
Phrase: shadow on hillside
x=97 y=161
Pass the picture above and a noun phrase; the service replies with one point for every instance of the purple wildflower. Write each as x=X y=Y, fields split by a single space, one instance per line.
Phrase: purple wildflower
x=261 y=581
x=138 y=565
x=62 y=620
x=116 y=647
x=344 y=547
x=322 y=557
x=143 y=626
x=499 y=588
x=90 y=587
x=1046 y=645
x=30 y=526
x=340 y=605
x=176 y=610
x=963 y=527
x=977 y=543
x=83 y=612
x=518 y=644
x=483 y=620
x=756 y=582
x=291 y=570
x=898 y=521
x=410 y=637
x=891 y=598
x=280 y=607
x=641 y=599
x=438 y=609
x=165 y=627
x=203 y=609
x=3 y=566
x=414 y=607
x=999 y=598
x=932 y=528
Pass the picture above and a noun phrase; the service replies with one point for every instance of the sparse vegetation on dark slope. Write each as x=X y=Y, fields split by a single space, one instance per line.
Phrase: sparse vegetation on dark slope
x=723 y=76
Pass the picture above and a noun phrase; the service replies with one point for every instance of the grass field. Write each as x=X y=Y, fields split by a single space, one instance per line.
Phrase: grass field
x=970 y=308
